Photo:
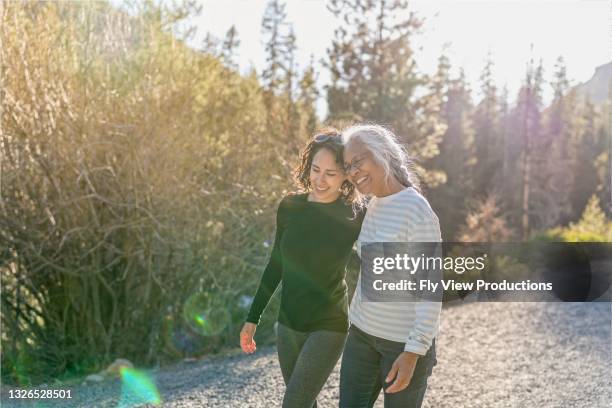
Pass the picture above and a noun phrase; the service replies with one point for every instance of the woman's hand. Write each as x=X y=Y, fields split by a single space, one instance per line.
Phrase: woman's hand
x=246 y=337
x=402 y=370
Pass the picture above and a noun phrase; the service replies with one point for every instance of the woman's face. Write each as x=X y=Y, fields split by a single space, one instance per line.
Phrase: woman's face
x=362 y=170
x=326 y=176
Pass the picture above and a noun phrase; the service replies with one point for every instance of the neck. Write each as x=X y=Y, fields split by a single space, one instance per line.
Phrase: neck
x=313 y=198
x=391 y=187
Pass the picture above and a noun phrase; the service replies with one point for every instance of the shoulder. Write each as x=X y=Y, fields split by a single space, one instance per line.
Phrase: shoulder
x=409 y=205
x=415 y=201
x=419 y=210
x=423 y=223
x=291 y=201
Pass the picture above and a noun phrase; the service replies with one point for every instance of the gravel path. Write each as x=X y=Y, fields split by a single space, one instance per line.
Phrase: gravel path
x=489 y=355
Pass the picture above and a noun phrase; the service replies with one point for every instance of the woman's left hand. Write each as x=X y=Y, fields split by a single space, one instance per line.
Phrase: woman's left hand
x=402 y=370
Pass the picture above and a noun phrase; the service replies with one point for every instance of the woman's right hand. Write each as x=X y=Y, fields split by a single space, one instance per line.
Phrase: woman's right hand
x=246 y=337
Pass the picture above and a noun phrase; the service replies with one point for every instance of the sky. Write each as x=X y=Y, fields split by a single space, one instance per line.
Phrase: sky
x=512 y=31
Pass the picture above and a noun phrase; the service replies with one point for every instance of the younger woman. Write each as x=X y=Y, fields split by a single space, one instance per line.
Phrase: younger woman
x=315 y=233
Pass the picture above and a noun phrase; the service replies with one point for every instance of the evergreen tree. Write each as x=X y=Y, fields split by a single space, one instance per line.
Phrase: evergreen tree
x=278 y=76
x=554 y=202
x=604 y=160
x=210 y=44
x=489 y=143
x=505 y=135
x=588 y=143
x=229 y=47
x=457 y=156
x=225 y=49
x=374 y=76
x=308 y=94
x=527 y=121
x=280 y=48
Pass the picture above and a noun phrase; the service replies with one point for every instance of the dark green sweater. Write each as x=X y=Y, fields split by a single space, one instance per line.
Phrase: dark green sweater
x=312 y=246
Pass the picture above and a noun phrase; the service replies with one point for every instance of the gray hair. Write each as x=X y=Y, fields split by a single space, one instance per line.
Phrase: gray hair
x=386 y=150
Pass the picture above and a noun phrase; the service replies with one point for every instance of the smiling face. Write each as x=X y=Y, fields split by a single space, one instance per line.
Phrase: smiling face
x=326 y=177
x=362 y=170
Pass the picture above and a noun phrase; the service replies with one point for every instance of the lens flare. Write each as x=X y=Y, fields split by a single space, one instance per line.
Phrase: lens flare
x=181 y=340
x=137 y=388
x=204 y=316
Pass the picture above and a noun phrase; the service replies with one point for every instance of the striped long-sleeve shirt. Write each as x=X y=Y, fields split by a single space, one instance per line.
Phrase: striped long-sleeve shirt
x=401 y=217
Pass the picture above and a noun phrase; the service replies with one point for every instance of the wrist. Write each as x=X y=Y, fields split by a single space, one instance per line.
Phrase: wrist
x=410 y=354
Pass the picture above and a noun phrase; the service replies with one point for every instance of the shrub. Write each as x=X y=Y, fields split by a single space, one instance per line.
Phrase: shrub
x=136 y=172
x=484 y=223
x=593 y=226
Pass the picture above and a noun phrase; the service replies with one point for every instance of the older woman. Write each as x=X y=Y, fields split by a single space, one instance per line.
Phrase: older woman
x=390 y=344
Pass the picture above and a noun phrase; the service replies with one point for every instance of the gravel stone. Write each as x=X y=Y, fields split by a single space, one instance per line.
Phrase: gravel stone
x=489 y=355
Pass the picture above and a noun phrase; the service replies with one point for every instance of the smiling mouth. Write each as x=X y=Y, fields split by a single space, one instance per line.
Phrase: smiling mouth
x=321 y=188
x=361 y=180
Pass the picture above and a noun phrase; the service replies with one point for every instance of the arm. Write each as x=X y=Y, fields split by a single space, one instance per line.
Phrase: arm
x=269 y=282
x=423 y=226
x=271 y=276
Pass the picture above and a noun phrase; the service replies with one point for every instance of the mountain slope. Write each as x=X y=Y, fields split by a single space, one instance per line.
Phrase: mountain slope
x=598 y=87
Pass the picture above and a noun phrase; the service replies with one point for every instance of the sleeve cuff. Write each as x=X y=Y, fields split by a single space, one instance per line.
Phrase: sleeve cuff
x=252 y=320
x=416 y=347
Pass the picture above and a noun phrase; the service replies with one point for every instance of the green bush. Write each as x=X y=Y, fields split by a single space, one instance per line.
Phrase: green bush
x=136 y=172
x=593 y=226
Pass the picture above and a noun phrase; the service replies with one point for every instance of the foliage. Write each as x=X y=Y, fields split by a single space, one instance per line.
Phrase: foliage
x=132 y=171
x=374 y=77
x=457 y=156
x=593 y=226
x=136 y=171
x=485 y=223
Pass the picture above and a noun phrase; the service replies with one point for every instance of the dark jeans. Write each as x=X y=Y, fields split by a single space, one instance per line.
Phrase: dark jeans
x=366 y=361
x=306 y=360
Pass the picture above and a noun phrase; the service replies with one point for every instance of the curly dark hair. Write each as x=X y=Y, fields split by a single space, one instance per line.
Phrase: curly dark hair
x=327 y=138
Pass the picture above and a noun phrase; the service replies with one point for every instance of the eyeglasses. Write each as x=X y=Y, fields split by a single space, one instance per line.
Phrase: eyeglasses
x=327 y=137
x=355 y=164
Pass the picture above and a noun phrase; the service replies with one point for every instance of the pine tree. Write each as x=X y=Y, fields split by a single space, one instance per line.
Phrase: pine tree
x=604 y=159
x=457 y=155
x=554 y=202
x=374 y=76
x=224 y=49
x=308 y=95
x=210 y=44
x=585 y=147
x=280 y=48
x=229 y=47
x=505 y=135
x=278 y=76
x=527 y=119
x=489 y=143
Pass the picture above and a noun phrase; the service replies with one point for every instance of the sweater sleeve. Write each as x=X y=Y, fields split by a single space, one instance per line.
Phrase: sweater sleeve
x=271 y=276
x=424 y=227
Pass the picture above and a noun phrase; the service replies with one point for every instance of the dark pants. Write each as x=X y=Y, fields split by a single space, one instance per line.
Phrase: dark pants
x=306 y=360
x=365 y=364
